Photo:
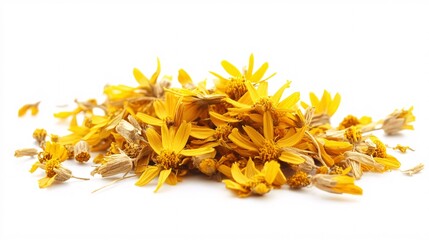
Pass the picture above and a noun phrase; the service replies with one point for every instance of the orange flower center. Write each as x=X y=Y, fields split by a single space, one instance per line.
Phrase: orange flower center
x=269 y=151
x=236 y=88
x=168 y=159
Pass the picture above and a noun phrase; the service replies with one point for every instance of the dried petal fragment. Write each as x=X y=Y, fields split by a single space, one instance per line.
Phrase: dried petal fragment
x=414 y=170
x=33 y=107
x=23 y=152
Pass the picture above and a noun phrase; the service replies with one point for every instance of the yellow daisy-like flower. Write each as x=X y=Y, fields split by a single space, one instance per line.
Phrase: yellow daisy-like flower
x=50 y=160
x=148 y=87
x=266 y=147
x=325 y=107
x=167 y=112
x=259 y=101
x=170 y=154
x=234 y=86
x=255 y=181
x=95 y=132
x=195 y=98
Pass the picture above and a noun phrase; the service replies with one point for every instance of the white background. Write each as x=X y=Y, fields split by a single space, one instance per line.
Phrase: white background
x=375 y=55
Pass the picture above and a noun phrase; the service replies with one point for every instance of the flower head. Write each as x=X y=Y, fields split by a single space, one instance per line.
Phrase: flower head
x=50 y=160
x=325 y=107
x=336 y=184
x=399 y=120
x=265 y=146
x=234 y=85
x=169 y=154
x=254 y=181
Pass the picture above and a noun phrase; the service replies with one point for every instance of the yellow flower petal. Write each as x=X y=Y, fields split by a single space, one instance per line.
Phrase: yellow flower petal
x=34 y=110
x=46 y=181
x=237 y=104
x=241 y=141
x=390 y=162
x=34 y=167
x=235 y=186
x=196 y=151
x=257 y=118
x=219 y=119
x=221 y=80
x=238 y=176
x=335 y=103
x=291 y=158
x=280 y=179
x=201 y=132
x=167 y=136
x=290 y=141
x=304 y=105
x=148 y=175
x=23 y=110
x=336 y=147
x=314 y=100
x=157 y=72
x=326 y=157
x=154 y=140
x=250 y=169
x=254 y=135
x=149 y=119
x=162 y=177
x=252 y=91
x=172 y=104
x=290 y=102
x=181 y=137
x=279 y=93
x=172 y=179
x=250 y=67
x=63 y=114
x=225 y=170
x=231 y=69
x=325 y=101
x=268 y=126
x=259 y=73
x=141 y=78
x=160 y=110
x=270 y=171
x=184 y=78
x=265 y=79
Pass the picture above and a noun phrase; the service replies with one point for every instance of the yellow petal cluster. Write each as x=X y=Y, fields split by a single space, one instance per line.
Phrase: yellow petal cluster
x=236 y=132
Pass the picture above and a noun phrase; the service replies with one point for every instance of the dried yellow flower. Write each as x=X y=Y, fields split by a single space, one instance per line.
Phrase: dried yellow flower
x=40 y=135
x=114 y=164
x=81 y=151
x=349 y=121
x=298 y=180
x=254 y=181
x=399 y=120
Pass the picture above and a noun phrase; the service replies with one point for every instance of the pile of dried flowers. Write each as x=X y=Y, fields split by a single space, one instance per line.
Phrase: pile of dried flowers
x=235 y=132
